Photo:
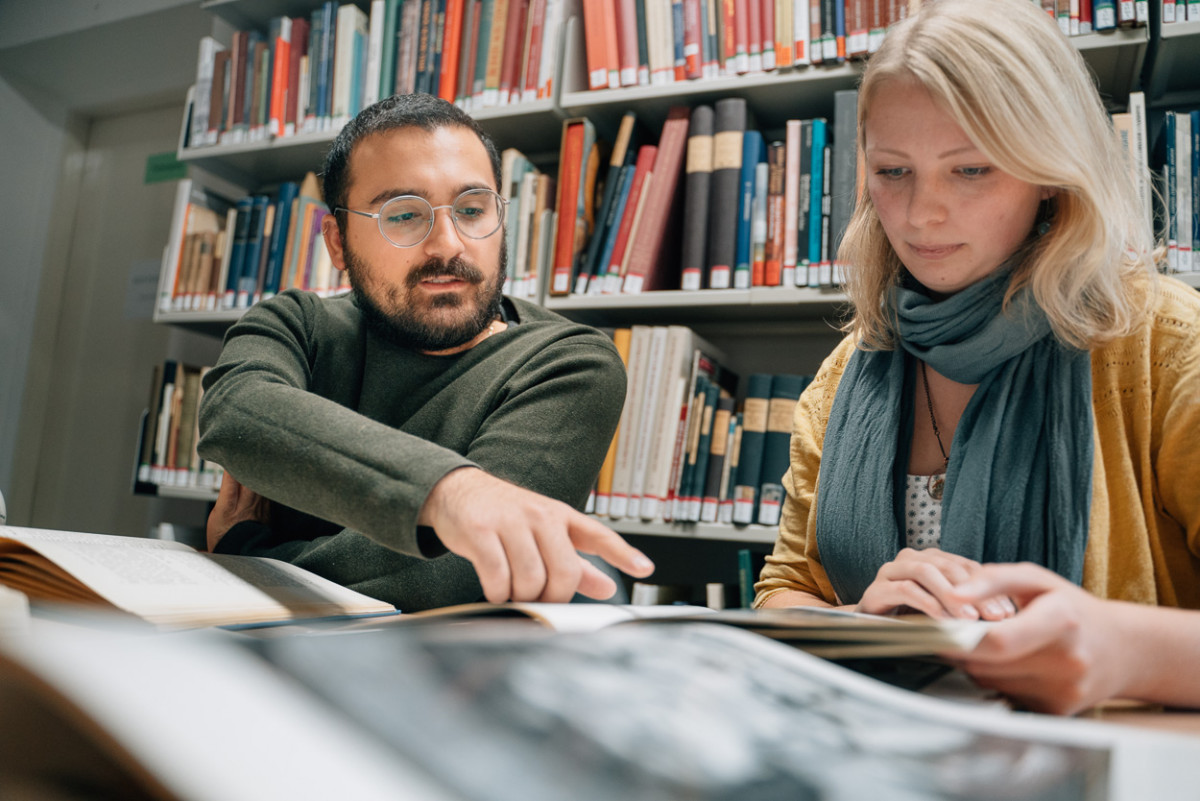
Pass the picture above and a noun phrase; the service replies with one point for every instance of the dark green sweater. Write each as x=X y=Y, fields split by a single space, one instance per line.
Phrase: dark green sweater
x=346 y=434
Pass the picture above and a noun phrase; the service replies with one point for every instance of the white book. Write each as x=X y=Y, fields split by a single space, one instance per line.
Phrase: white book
x=1141 y=154
x=650 y=399
x=169 y=584
x=1183 y=188
x=371 y=75
x=351 y=23
x=800 y=32
x=639 y=349
x=202 y=98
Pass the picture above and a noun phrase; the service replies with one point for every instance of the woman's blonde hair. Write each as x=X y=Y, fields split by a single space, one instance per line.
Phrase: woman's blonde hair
x=1025 y=97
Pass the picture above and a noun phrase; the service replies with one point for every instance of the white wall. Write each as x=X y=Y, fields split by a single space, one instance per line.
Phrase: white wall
x=76 y=218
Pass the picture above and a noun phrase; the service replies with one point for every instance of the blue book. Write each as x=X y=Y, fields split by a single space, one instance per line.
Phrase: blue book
x=237 y=250
x=1195 y=191
x=325 y=71
x=248 y=277
x=279 y=237
x=816 y=191
x=753 y=150
x=1169 y=195
x=612 y=225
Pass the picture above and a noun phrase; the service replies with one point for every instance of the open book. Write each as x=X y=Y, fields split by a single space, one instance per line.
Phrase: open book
x=450 y=713
x=169 y=584
x=827 y=633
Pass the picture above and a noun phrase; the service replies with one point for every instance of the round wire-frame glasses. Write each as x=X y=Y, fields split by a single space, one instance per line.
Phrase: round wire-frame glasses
x=406 y=221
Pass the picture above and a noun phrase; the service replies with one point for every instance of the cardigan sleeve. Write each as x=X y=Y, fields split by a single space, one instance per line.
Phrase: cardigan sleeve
x=795 y=563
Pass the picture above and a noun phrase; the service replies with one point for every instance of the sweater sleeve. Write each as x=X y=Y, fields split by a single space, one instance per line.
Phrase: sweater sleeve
x=795 y=563
x=260 y=421
x=548 y=431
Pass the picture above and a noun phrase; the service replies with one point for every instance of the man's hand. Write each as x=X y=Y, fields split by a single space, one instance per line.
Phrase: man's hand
x=523 y=545
x=923 y=581
x=234 y=504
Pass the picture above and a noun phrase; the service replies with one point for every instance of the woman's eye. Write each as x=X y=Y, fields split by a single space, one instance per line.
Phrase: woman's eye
x=890 y=172
x=975 y=172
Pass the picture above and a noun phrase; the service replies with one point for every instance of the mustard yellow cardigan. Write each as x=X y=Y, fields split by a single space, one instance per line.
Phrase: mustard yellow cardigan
x=1144 y=538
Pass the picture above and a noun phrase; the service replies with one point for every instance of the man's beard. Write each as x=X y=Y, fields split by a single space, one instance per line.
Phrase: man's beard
x=408 y=326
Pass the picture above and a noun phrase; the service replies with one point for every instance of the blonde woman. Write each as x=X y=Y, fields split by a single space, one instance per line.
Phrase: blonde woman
x=1011 y=430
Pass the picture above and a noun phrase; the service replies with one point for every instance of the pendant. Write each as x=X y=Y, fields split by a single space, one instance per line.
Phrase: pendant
x=935 y=486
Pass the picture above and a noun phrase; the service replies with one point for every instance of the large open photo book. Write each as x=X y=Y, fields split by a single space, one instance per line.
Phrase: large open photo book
x=169 y=584
x=827 y=633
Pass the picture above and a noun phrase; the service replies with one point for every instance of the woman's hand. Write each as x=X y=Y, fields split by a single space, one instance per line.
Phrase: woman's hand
x=1064 y=652
x=924 y=581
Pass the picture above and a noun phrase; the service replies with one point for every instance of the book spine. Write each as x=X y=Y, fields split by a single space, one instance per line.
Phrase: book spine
x=774 y=247
x=750 y=458
x=570 y=165
x=785 y=391
x=697 y=182
x=752 y=144
x=844 y=183
x=718 y=447
x=729 y=127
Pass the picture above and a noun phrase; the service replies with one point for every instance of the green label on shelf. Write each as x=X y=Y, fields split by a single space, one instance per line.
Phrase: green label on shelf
x=164 y=167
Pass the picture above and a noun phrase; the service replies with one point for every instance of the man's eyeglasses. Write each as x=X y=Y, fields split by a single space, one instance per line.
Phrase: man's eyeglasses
x=406 y=220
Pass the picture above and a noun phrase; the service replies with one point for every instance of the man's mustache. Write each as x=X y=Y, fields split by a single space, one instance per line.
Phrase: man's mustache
x=437 y=268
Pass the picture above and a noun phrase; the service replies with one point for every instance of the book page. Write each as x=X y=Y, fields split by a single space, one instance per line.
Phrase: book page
x=565 y=617
x=704 y=711
x=171 y=583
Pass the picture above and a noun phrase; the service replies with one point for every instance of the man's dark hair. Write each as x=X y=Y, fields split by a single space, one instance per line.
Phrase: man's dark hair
x=423 y=111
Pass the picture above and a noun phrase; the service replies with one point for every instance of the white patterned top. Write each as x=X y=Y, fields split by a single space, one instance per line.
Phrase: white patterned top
x=922 y=514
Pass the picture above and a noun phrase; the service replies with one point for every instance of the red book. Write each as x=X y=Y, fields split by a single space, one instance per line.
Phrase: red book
x=570 y=167
x=729 y=18
x=773 y=267
x=648 y=269
x=754 y=35
x=219 y=99
x=451 y=46
x=858 y=28
x=643 y=167
x=767 y=15
x=533 y=49
x=514 y=39
x=627 y=41
x=297 y=51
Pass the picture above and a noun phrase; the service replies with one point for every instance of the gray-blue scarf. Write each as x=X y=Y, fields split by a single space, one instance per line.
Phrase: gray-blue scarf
x=1019 y=482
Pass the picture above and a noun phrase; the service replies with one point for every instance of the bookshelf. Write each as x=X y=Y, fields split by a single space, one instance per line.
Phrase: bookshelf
x=1170 y=78
x=735 y=320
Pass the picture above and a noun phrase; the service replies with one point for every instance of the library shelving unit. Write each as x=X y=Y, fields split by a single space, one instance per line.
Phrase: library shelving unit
x=800 y=322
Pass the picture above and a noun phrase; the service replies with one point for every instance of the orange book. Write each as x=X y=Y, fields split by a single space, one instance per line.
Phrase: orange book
x=621 y=339
x=495 y=52
x=452 y=43
x=280 y=70
x=648 y=269
x=570 y=165
x=595 y=33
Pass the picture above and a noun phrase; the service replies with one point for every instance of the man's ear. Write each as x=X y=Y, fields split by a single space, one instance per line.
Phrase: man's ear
x=333 y=241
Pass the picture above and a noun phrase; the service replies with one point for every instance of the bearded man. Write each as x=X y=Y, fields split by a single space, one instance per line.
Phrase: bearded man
x=423 y=439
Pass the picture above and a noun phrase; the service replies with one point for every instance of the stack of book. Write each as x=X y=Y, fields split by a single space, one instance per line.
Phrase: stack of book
x=265 y=243
x=310 y=74
x=653 y=42
x=684 y=451
x=167 y=451
x=710 y=205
